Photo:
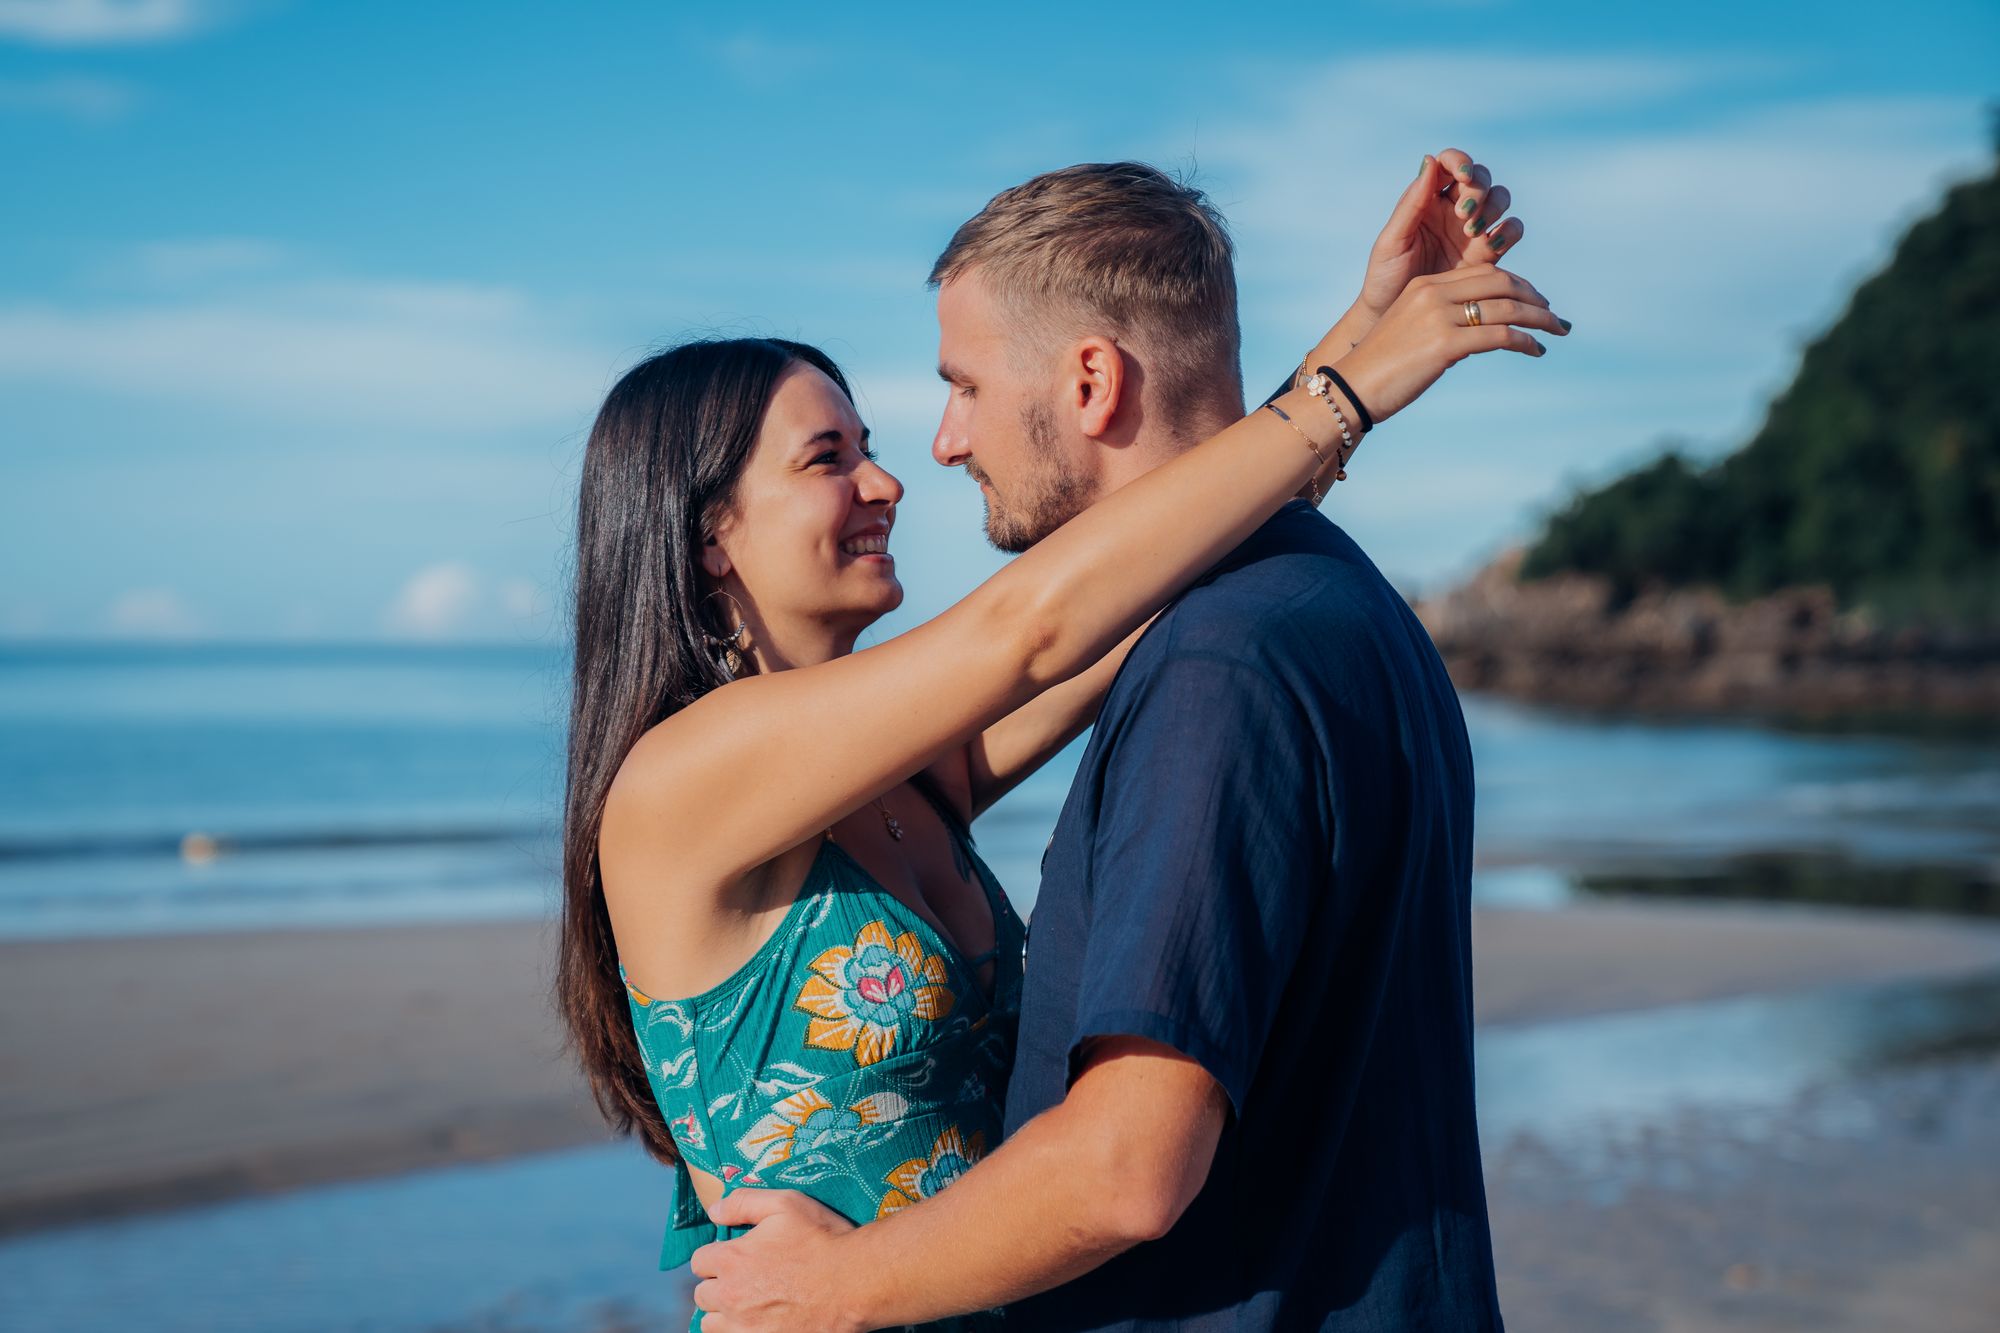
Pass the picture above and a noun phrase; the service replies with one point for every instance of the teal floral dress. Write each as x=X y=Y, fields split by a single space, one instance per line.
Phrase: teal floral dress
x=854 y=1058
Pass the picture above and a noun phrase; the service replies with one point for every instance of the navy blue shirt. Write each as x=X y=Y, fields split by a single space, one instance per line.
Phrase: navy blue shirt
x=1264 y=863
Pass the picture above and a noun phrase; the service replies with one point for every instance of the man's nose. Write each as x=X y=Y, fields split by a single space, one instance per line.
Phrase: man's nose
x=951 y=445
x=948 y=446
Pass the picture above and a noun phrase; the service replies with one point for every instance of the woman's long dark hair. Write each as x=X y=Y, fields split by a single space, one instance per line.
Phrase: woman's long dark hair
x=662 y=463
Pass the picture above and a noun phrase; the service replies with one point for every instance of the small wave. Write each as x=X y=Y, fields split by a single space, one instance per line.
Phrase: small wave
x=1977 y=792
x=202 y=844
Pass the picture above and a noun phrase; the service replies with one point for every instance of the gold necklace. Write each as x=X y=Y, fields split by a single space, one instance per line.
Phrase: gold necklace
x=889 y=822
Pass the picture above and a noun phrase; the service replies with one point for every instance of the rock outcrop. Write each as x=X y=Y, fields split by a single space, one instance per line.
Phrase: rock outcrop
x=1566 y=640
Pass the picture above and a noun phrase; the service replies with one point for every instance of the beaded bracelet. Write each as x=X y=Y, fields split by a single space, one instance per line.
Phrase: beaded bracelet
x=1360 y=408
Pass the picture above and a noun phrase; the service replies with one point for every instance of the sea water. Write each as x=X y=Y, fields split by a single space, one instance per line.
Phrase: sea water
x=203 y=787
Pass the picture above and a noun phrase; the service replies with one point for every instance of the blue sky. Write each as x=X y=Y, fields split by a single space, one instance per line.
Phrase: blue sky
x=305 y=308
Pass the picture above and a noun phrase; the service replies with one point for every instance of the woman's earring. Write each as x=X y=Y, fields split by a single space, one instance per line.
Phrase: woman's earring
x=732 y=648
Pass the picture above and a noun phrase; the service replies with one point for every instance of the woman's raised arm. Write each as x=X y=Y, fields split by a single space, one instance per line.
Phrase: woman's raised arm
x=763 y=763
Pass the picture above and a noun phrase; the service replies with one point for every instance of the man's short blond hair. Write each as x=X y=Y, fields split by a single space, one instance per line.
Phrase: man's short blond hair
x=1122 y=249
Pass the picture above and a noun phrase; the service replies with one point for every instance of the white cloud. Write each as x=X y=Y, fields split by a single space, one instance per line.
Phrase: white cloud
x=154 y=613
x=226 y=323
x=436 y=602
x=99 y=22
x=80 y=97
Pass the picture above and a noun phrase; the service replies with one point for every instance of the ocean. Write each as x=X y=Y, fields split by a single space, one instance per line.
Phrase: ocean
x=159 y=788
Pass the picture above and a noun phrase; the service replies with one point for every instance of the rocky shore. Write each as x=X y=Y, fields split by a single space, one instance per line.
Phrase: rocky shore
x=1566 y=640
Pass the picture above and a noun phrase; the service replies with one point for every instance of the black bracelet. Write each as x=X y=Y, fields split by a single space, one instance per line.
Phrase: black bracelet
x=1367 y=421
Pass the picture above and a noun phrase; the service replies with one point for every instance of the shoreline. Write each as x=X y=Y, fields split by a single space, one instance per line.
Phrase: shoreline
x=196 y=1068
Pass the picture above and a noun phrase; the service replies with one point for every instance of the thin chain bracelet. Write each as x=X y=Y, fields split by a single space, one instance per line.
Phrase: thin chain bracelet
x=1312 y=482
x=1299 y=375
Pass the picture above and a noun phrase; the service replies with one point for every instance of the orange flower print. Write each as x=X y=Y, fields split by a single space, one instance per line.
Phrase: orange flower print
x=806 y=1121
x=951 y=1157
x=861 y=996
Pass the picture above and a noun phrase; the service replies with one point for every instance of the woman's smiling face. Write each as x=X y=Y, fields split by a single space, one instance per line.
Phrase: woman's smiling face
x=806 y=534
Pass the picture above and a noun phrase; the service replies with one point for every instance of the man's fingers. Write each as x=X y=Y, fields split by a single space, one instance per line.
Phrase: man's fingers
x=707 y=1260
x=708 y=1297
x=747 y=1207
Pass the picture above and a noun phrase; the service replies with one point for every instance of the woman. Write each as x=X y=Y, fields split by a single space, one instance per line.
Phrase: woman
x=773 y=827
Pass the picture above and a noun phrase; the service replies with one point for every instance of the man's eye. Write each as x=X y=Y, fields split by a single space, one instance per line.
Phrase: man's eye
x=830 y=456
x=965 y=391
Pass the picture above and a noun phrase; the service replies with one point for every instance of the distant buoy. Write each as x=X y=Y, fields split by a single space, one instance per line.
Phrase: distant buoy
x=198 y=849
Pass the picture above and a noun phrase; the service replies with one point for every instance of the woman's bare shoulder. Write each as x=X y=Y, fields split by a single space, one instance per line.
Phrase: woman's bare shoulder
x=656 y=785
x=664 y=907
x=652 y=819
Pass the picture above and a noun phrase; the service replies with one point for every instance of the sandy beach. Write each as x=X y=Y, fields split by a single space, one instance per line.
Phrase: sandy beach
x=152 y=1071
x=148 y=1072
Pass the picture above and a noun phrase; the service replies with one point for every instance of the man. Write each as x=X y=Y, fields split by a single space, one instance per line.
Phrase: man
x=1243 y=1097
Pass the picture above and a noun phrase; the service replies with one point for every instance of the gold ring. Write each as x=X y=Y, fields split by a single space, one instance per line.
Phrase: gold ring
x=1472 y=314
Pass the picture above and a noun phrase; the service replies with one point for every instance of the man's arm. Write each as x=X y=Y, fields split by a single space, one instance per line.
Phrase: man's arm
x=1208 y=853
x=1062 y=1195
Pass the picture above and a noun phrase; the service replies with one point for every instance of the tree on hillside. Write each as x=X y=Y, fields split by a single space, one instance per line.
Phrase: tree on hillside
x=1877 y=471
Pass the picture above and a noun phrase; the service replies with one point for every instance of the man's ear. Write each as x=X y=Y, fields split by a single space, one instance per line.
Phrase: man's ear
x=1099 y=369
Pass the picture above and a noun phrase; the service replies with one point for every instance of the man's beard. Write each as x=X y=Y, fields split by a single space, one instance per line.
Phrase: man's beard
x=1052 y=493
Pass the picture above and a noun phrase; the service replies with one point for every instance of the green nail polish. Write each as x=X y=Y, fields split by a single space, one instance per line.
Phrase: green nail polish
x=1422 y=167
x=1472 y=227
x=1565 y=323
x=1467 y=205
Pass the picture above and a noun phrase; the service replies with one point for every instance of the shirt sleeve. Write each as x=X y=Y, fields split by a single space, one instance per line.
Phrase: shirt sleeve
x=1212 y=847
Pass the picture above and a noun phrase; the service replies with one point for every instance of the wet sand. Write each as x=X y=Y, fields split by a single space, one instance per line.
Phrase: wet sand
x=1865 y=1205
x=157 y=1071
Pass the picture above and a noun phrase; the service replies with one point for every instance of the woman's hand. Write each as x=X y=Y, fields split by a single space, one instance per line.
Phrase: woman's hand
x=1425 y=332
x=1444 y=221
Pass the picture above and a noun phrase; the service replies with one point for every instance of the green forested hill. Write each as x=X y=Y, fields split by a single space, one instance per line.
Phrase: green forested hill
x=1877 y=471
